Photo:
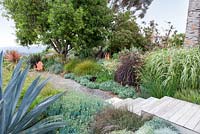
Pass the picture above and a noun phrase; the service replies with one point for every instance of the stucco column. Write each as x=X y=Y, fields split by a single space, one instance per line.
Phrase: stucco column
x=192 y=38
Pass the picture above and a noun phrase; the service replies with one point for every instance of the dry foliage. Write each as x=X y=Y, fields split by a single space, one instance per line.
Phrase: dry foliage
x=115 y=119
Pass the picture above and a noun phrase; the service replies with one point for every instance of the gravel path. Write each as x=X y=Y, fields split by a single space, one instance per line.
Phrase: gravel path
x=67 y=84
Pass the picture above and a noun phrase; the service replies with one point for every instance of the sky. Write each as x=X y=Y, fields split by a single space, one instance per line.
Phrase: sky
x=161 y=11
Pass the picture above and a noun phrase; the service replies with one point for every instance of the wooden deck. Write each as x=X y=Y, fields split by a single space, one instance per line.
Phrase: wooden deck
x=178 y=112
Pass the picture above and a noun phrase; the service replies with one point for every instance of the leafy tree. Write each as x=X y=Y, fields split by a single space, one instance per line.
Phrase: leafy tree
x=61 y=24
x=125 y=33
x=132 y=5
x=97 y=23
x=64 y=24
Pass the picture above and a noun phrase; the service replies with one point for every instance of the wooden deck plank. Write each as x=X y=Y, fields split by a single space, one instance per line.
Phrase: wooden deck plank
x=180 y=112
x=173 y=110
x=123 y=103
x=154 y=105
x=167 y=109
x=151 y=100
x=114 y=100
x=194 y=120
x=136 y=103
x=188 y=115
x=197 y=127
x=163 y=104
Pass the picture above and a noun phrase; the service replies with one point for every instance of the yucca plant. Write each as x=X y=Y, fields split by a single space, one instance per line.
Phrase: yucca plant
x=17 y=118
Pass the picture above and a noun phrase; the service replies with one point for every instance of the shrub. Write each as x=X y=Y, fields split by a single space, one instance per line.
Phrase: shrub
x=34 y=59
x=12 y=56
x=115 y=119
x=177 y=40
x=69 y=67
x=128 y=72
x=110 y=65
x=188 y=95
x=78 y=111
x=87 y=67
x=104 y=75
x=92 y=85
x=69 y=76
x=157 y=126
x=167 y=71
x=17 y=119
x=121 y=91
x=122 y=132
x=56 y=68
x=48 y=62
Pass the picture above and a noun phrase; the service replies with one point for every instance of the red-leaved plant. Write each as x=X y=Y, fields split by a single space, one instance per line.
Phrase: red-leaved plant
x=12 y=56
x=127 y=72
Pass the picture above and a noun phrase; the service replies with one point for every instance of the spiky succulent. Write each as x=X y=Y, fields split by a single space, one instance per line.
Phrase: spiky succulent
x=15 y=117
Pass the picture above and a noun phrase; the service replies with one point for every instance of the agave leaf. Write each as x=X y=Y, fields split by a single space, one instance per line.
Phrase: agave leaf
x=29 y=97
x=29 y=117
x=16 y=121
x=17 y=68
x=53 y=121
x=1 y=81
x=24 y=104
x=11 y=83
x=17 y=92
x=8 y=94
x=2 y=118
x=48 y=121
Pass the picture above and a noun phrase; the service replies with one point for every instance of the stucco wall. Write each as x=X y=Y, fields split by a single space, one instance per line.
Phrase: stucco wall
x=193 y=24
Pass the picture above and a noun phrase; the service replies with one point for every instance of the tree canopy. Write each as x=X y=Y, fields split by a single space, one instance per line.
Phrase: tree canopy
x=80 y=25
x=61 y=24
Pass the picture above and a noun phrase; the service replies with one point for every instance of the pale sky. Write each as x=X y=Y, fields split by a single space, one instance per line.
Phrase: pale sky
x=161 y=11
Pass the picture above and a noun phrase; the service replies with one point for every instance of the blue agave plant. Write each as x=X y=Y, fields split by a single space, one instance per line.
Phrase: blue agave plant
x=19 y=119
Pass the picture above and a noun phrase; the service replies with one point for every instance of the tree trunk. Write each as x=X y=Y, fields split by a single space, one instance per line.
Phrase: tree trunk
x=192 y=38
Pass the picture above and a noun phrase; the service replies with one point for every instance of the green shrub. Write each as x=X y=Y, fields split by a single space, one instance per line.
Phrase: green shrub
x=48 y=62
x=34 y=59
x=69 y=67
x=115 y=119
x=167 y=71
x=87 y=67
x=188 y=95
x=69 y=76
x=110 y=65
x=78 y=111
x=122 y=132
x=56 y=68
x=121 y=91
x=92 y=85
x=157 y=126
x=177 y=40
x=104 y=75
